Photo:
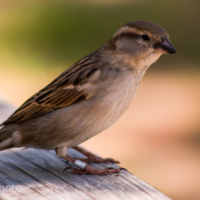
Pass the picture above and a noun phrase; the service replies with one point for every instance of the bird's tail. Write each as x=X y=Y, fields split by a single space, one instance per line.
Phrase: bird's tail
x=6 y=139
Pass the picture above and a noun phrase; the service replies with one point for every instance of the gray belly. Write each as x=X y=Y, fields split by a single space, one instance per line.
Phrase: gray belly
x=73 y=125
x=100 y=115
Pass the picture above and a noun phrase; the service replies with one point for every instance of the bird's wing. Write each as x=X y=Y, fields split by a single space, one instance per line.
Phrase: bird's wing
x=67 y=89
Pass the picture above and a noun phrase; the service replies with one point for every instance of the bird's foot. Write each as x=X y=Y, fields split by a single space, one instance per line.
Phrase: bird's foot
x=90 y=170
x=84 y=168
x=96 y=159
x=91 y=158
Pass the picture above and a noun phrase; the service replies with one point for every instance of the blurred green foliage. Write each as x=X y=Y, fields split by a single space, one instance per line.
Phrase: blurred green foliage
x=65 y=31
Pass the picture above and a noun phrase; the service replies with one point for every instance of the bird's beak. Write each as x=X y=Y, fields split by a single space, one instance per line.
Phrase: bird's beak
x=165 y=47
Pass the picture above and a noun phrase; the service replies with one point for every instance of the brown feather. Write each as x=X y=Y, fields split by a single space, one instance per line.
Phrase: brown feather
x=59 y=93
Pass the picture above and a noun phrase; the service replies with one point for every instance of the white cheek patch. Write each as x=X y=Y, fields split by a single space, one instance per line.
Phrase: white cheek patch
x=153 y=58
x=149 y=60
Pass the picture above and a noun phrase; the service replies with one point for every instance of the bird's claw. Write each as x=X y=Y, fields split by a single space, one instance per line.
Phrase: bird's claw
x=93 y=171
x=106 y=160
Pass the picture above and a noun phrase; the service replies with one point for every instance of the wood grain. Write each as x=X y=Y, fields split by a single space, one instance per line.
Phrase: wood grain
x=38 y=174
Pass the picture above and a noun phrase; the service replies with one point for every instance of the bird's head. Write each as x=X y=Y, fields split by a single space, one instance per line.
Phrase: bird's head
x=141 y=41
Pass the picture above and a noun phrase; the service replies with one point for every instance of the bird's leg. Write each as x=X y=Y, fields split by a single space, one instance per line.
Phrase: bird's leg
x=93 y=158
x=84 y=168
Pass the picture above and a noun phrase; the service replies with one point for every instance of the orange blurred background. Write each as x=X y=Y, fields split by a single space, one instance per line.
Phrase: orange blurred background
x=158 y=138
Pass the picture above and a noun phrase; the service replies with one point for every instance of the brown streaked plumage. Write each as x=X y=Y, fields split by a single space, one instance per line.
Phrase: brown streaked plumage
x=62 y=92
x=88 y=97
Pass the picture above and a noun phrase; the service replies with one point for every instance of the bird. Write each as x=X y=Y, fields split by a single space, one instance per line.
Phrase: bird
x=88 y=97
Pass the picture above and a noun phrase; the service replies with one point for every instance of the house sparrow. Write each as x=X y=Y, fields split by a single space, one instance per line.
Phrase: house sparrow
x=88 y=97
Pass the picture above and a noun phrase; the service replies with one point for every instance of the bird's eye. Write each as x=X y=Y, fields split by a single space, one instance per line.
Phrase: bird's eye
x=145 y=37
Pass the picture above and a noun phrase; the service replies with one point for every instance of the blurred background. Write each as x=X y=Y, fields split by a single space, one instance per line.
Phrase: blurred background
x=158 y=138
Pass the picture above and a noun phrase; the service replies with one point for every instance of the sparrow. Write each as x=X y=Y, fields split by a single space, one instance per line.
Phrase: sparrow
x=88 y=97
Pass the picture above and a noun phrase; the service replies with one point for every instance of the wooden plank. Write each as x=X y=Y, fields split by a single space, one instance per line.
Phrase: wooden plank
x=38 y=174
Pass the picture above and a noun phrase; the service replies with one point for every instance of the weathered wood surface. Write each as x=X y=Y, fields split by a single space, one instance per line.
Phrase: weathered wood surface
x=38 y=174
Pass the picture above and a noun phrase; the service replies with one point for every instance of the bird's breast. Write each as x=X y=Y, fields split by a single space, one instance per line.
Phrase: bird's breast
x=118 y=99
x=102 y=111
